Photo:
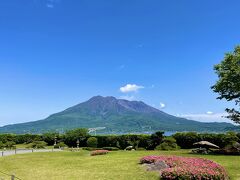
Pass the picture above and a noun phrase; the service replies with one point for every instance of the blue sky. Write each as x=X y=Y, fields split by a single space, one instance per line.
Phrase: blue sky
x=57 y=53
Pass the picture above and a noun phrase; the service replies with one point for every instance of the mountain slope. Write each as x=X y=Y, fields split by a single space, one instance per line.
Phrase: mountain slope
x=117 y=115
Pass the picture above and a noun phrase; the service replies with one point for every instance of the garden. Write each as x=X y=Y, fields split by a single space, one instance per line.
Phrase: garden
x=113 y=165
x=134 y=156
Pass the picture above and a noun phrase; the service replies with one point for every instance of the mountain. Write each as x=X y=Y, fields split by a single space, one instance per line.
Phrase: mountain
x=117 y=116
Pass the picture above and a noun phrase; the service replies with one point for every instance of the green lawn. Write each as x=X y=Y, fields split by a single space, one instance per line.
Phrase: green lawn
x=79 y=165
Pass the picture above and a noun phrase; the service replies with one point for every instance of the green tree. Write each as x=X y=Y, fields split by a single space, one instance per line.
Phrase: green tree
x=37 y=144
x=72 y=136
x=228 y=84
x=168 y=143
x=1 y=145
x=92 y=142
x=155 y=140
x=10 y=144
x=49 y=137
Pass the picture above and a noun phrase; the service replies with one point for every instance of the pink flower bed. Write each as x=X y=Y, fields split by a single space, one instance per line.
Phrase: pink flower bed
x=99 y=152
x=188 y=168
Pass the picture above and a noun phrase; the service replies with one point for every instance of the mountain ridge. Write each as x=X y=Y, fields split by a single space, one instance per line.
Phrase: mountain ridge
x=117 y=115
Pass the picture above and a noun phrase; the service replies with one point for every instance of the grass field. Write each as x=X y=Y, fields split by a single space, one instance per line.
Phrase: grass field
x=119 y=165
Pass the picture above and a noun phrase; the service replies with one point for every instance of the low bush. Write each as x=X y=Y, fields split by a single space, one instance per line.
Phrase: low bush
x=187 y=168
x=98 y=152
x=186 y=139
x=92 y=142
x=37 y=144
x=91 y=148
x=1 y=145
x=60 y=145
x=10 y=145
x=231 y=149
x=168 y=144
x=111 y=148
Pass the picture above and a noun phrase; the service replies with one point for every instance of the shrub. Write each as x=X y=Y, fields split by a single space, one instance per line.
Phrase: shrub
x=231 y=149
x=155 y=140
x=10 y=144
x=99 y=152
x=27 y=138
x=72 y=136
x=91 y=148
x=49 y=138
x=141 y=149
x=169 y=143
x=1 y=145
x=92 y=142
x=111 y=148
x=186 y=140
x=60 y=145
x=37 y=145
x=187 y=168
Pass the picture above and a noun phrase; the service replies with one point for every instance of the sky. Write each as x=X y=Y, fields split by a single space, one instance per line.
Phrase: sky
x=57 y=53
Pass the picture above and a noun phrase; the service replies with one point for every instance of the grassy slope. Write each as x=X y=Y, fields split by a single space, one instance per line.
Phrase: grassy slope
x=79 y=165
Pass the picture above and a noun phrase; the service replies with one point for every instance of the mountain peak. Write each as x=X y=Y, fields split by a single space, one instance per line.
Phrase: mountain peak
x=102 y=97
x=117 y=115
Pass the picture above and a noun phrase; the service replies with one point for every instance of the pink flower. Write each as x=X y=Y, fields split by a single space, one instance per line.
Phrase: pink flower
x=188 y=168
x=99 y=152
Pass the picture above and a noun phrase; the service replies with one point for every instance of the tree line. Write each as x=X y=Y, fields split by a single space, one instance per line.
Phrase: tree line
x=80 y=137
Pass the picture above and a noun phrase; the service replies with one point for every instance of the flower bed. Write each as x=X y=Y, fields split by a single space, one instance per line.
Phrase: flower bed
x=187 y=168
x=99 y=152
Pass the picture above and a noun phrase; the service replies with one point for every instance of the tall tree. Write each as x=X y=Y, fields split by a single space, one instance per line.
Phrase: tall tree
x=228 y=84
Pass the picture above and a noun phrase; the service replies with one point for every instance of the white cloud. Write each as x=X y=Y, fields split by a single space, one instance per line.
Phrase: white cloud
x=129 y=98
x=209 y=112
x=207 y=117
x=130 y=88
x=162 y=105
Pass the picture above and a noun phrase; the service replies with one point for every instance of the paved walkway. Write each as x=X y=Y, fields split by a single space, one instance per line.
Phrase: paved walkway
x=24 y=151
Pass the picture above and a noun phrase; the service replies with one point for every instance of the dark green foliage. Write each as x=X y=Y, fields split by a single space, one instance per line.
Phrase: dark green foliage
x=141 y=149
x=111 y=148
x=72 y=136
x=118 y=116
x=92 y=142
x=27 y=138
x=37 y=145
x=1 y=145
x=231 y=149
x=238 y=135
x=7 y=137
x=228 y=84
x=91 y=148
x=60 y=145
x=122 y=141
x=155 y=140
x=186 y=140
x=21 y=138
x=49 y=137
x=168 y=144
x=10 y=145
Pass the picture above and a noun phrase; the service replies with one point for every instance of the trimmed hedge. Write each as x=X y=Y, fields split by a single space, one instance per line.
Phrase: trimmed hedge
x=111 y=148
x=138 y=141
x=186 y=140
